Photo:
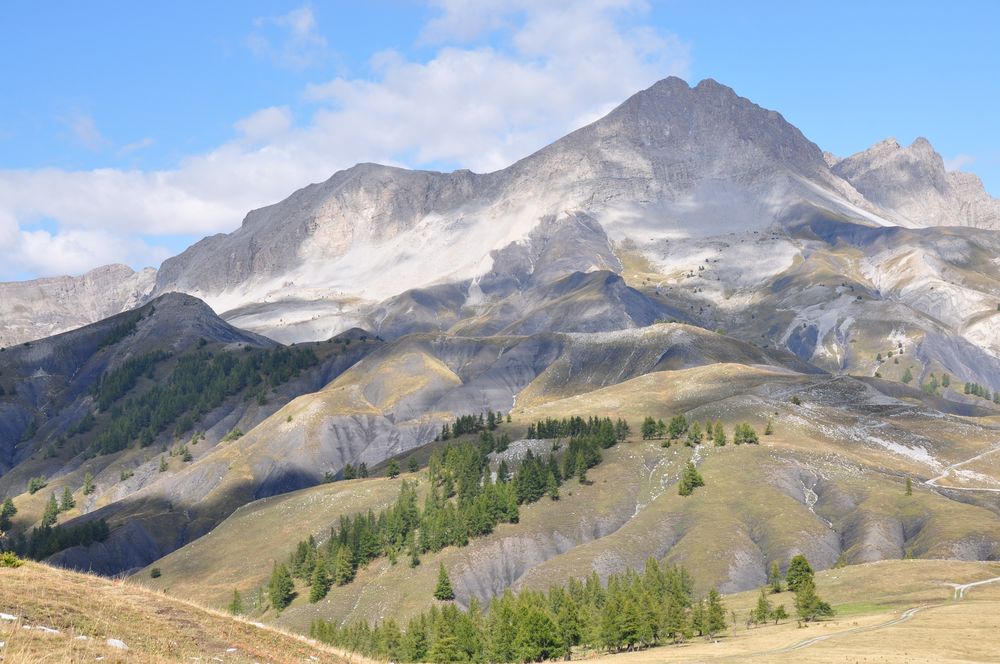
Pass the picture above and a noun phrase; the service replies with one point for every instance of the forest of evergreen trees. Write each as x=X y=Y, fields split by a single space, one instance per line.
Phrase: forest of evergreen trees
x=466 y=500
x=48 y=540
x=197 y=384
x=634 y=610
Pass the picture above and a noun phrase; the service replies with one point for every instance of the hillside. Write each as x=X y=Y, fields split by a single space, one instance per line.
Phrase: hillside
x=828 y=483
x=48 y=614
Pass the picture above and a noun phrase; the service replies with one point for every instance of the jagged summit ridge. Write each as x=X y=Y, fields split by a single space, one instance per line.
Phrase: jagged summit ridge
x=913 y=184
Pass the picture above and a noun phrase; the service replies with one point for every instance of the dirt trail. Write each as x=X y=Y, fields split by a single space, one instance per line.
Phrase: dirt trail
x=947 y=471
x=903 y=617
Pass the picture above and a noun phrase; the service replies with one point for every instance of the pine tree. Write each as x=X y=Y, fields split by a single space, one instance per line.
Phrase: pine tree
x=909 y=487
x=343 y=567
x=774 y=577
x=280 y=588
x=798 y=570
x=51 y=512
x=163 y=464
x=720 y=435
x=413 y=465
x=779 y=613
x=715 y=614
x=552 y=487
x=7 y=510
x=694 y=435
x=320 y=583
x=443 y=590
x=907 y=375
x=236 y=604
x=690 y=480
x=762 y=612
x=67 y=500
x=808 y=604
x=88 y=484
x=769 y=427
x=393 y=470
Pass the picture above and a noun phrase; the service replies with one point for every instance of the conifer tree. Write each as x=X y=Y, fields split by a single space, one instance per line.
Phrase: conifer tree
x=67 y=500
x=719 y=438
x=762 y=612
x=393 y=470
x=443 y=590
x=694 y=435
x=690 y=480
x=807 y=603
x=769 y=427
x=715 y=614
x=413 y=465
x=320 y=583
x=236 y=604
x=774 y=577
x=51 y=512
x=909 y=487
x=88 y=484
x=343 y=570
x=779 y=613
x=552 y=487
x=163 y=464
x=798 y=570
x=7 y=510
x=280 y=588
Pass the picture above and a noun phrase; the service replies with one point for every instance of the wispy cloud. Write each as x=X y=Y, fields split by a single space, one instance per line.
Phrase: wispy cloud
x=136 y=146
x=85 y=132
x=542 y=71
x=292 y=40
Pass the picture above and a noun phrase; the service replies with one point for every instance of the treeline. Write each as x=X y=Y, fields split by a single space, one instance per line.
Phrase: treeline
x=603 y=429
x=977 y=390
x=466 y=500
x=464 y=424
x=692 y=432
x=199 y=383
x=634 y=610
x=123 y=329
x=49 y=540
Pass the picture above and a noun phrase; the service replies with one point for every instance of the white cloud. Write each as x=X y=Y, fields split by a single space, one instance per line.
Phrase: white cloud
x=292 y=40
x=959 y=162
x=548 y=70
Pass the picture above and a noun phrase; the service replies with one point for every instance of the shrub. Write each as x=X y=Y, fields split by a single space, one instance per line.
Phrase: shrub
x=155 y=573
x=10 y=559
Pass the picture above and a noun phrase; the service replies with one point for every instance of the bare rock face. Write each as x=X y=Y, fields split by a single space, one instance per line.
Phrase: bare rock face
x=43 y=307
x=912 y=184
x=671 y=161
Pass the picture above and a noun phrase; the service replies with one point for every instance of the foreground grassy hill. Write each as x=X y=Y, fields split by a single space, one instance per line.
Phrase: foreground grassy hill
x=53 y=615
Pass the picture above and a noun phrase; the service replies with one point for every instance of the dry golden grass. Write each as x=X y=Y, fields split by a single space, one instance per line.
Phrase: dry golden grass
x=88 y=610
x=872 y=624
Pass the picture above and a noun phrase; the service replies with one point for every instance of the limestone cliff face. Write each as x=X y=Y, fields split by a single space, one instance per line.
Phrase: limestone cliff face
x=42 y=307
x=912 y=184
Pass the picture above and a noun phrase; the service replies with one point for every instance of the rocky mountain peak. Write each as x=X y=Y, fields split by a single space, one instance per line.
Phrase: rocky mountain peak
x=912 y=184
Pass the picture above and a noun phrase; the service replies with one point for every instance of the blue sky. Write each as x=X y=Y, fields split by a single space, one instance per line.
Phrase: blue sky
x=131 y=129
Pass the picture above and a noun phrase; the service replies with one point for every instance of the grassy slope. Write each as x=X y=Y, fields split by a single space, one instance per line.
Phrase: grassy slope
x=866 y=597
x=753 y=510
x=154 y=626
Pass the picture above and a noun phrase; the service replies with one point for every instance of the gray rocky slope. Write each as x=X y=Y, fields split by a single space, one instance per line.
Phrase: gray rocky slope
x=671 y=162
x=43 y=307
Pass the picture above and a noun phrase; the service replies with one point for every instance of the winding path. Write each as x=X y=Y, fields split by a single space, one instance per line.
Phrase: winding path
x=903 y=617
x=947 y=471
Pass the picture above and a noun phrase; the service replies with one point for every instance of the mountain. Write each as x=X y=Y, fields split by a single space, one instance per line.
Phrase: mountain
x=913 y=184
x=689 y=254
x=42 y=307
